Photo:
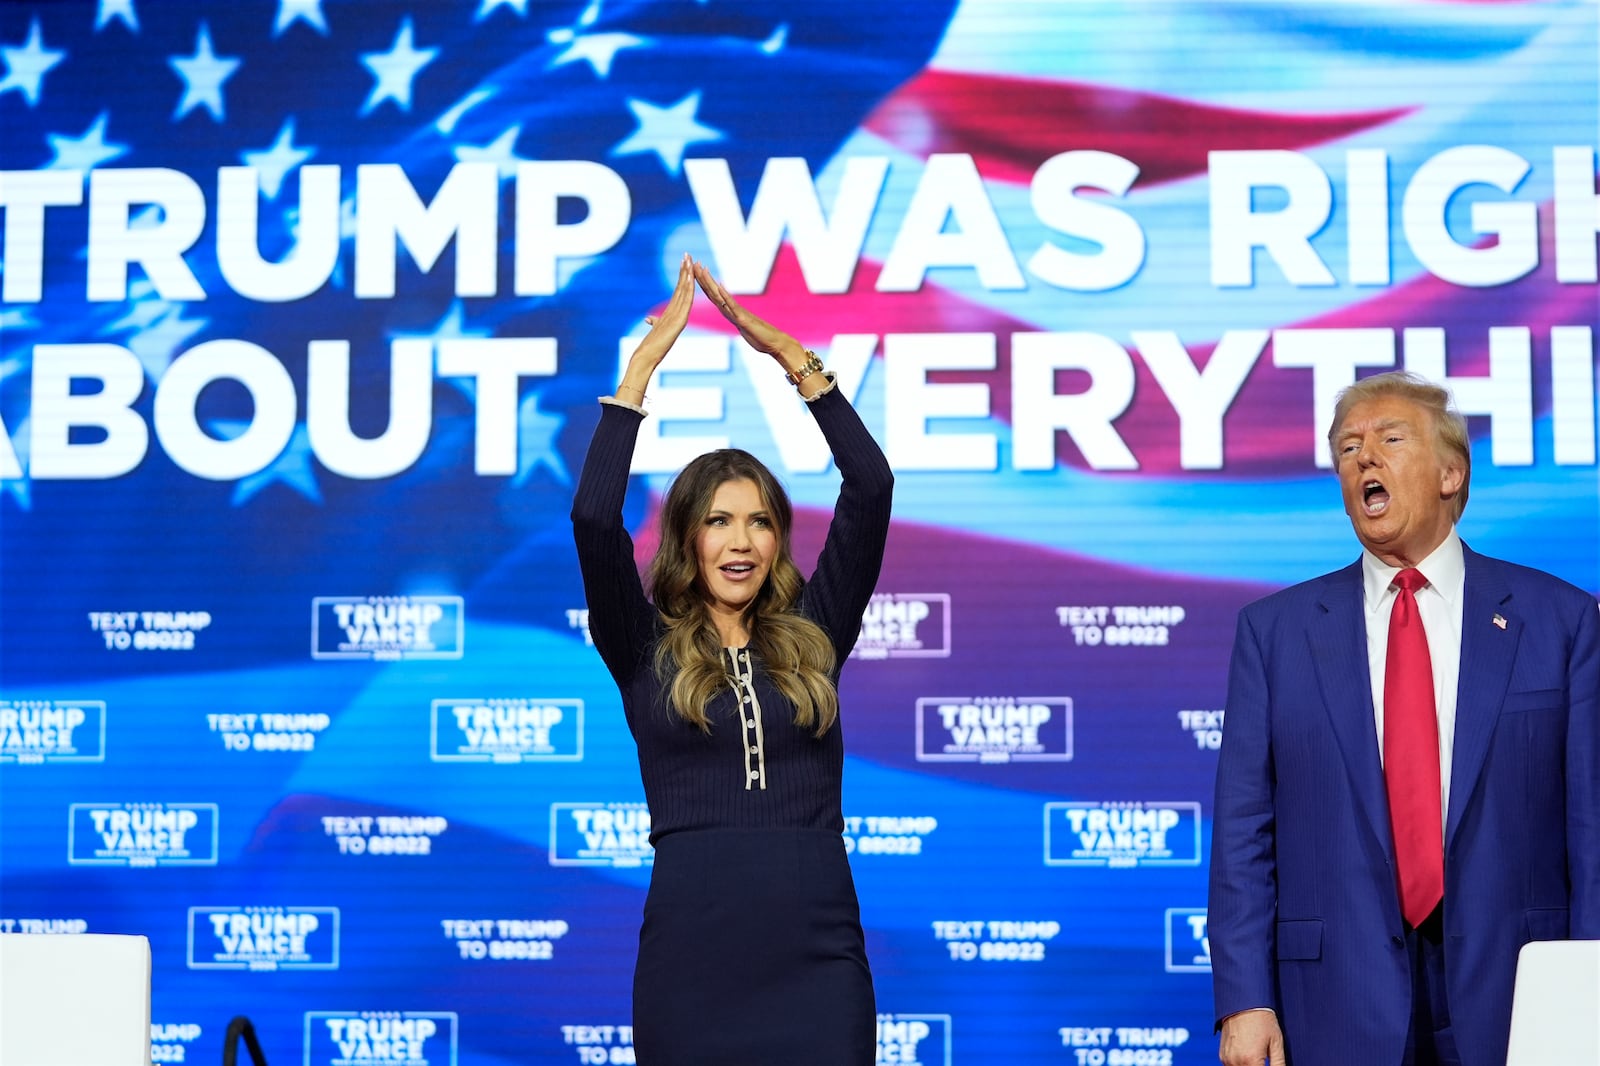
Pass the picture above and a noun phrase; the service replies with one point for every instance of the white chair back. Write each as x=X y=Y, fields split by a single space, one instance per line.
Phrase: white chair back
x=74 y=1000
x=1555 y=1013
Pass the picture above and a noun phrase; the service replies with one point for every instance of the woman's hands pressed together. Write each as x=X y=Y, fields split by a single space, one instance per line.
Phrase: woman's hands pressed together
x=665 y=329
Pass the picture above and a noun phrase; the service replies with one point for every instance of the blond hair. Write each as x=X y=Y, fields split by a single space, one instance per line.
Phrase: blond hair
x=1450 y=440
x=796 y=653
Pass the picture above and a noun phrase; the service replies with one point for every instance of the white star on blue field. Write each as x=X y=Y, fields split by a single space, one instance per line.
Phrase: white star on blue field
x=396 y=69
x=667 y=131
x=599 y=50
x=292 y=11
x=499 y=152
x=277 y=160
x=27 y=66
x=203 y=76
x=85 y=152
x=121 y=10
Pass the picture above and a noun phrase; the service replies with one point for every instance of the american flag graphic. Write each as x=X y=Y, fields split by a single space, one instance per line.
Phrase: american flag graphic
x=888 y=182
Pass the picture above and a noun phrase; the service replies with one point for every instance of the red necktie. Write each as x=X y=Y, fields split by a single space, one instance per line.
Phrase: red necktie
x=1411 y=755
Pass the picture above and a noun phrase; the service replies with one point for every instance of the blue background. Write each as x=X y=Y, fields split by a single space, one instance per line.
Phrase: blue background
x=639 y=87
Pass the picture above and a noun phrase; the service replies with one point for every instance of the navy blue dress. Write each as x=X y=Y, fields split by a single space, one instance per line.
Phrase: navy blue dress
x=751 y=952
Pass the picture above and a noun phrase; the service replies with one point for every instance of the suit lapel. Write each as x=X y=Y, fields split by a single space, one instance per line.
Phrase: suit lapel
x=1487 y=652
x=1338 y=636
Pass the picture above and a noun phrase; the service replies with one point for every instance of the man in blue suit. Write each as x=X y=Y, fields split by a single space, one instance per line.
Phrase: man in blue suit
x=1381 y=851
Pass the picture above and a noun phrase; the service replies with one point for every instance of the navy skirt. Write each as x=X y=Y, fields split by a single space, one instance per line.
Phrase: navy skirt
x=751 y=954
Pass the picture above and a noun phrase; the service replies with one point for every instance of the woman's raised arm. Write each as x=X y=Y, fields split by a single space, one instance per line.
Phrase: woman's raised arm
x=621 y=620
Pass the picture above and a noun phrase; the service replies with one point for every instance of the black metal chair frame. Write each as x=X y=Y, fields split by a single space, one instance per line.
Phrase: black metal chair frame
x=241 y=1027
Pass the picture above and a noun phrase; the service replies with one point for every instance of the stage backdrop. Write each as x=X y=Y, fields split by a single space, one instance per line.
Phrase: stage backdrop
x=306 y=307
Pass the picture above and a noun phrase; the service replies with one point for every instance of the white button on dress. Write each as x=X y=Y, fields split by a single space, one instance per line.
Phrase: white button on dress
x=743 y=681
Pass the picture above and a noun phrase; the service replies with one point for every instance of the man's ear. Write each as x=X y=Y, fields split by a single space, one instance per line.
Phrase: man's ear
x=1451 y=478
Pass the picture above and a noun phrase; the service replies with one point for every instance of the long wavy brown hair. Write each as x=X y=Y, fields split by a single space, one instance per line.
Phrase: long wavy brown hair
x=796 y=653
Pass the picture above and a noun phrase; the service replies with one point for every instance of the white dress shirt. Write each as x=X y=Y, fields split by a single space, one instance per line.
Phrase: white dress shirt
x=1440 y=603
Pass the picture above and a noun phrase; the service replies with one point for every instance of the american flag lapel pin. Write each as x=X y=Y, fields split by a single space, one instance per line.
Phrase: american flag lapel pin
x=1499 y=621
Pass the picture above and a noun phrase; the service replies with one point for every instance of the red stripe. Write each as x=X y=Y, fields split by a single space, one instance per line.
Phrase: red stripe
x=1011 y=125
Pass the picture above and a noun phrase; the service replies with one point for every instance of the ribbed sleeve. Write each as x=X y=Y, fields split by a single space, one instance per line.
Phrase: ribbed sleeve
x=621 y=620
x=852 y=556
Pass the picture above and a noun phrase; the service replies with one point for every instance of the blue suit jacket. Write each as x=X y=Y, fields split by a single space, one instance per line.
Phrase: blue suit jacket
x=1304 y=912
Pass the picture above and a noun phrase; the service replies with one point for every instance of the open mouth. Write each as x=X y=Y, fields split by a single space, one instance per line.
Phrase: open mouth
x=1374 y=497
x=737 y=570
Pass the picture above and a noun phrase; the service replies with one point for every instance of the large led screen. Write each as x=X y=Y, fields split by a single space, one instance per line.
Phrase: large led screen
x=306 y=308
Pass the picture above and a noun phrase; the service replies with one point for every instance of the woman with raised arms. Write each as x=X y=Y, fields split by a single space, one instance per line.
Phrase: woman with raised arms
x=751 y=952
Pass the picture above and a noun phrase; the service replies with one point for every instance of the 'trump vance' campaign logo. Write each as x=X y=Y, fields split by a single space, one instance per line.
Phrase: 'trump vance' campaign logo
x=387 y=627
x=994 y=729
x=142 y=834
x=170 y=1041
x=905 y=625
x=1188 y=942
x=507 y=730
x=368 y=1038
x=914 y=1039
x=263 y=938
x=600 y=834
x=41 y=731
x=1122 y=834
